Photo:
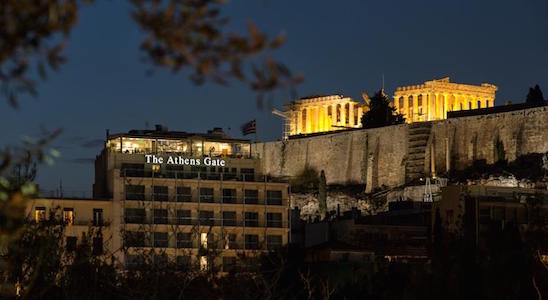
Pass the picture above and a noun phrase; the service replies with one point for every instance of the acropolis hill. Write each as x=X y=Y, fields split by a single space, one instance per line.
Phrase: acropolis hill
x=394 y=155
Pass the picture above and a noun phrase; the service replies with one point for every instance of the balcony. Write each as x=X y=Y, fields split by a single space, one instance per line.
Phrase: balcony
x=198 y=175
x=203 y=199
x=174 y=221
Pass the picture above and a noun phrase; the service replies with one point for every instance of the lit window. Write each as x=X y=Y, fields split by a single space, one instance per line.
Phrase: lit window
x=40 y=214
x=203 y=263
x=68 y=215
x=203 y=240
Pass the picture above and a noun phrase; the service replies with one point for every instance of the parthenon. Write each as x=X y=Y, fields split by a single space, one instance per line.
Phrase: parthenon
x=433 y=99
x=322 y=114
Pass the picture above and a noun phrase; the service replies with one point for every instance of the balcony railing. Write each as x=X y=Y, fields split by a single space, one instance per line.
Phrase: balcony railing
x=174 y=221
x=174 y=174
x=203 y=199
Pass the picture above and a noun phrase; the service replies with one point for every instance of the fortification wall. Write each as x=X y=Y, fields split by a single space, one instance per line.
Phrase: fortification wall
x=458 y=142
x=378 y=156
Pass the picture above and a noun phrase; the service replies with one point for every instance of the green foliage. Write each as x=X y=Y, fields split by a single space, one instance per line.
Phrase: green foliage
x=306 y=181
x=535 y=96
x=380 y=113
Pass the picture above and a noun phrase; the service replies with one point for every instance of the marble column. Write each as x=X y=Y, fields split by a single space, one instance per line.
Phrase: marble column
x=437 y=106
x=351 y=114
x=299 y=121
x=445 y=105
x=406 y=109
x=343 y=115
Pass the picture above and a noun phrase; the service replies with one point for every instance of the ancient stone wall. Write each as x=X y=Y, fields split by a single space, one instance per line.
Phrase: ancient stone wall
x=378 y=156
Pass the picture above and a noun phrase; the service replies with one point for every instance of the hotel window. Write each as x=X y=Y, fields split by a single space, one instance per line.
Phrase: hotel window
x=135 y=215
x=160 y=239
x=204 y=263
x=160 y=216
x=251 y=196
x=229 y=218
x=469 y=105
x=356 y=117
x=134 y=261
x=274 y=197
x=274 y=219
x=160 y=193
x=229 y=195
x=184 y=217
x=135 y=192
x=247 y=174
x=97 y=217
x=206 y=217
x=132 y=170
x=273 y=242
x=204 y=239
x=251 y=219
x=400 y=103
x=338 y=113
x=230 y=241
x=479 y=104
x=71 y=243
x=184 y=194
x=197 y=148
x=206 y=195
x=183 y=262
x=39 y=214
x=184 y=240
x=460 y=105
x=229 y=263
x=136 y=145
x=251 y=241
x=68 y=215
x=97 y=247
x=330 y=113
x=172 y=146
x=135 y=239
x=160 y=260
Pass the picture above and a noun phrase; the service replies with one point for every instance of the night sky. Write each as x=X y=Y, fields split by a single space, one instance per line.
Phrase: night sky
x=341 y=47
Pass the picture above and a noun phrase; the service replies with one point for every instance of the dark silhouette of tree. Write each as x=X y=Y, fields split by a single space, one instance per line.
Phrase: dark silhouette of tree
x=535 y=96
x=380 y=112
x=179 y=35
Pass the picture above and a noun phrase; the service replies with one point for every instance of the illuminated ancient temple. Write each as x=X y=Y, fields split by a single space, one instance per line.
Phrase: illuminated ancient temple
x=322 y=114
x=433 y=99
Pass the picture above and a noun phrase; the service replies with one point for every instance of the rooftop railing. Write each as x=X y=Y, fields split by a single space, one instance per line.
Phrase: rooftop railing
x=199 y=175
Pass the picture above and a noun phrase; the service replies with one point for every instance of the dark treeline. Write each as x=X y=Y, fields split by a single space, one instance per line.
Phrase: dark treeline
x=508 y=268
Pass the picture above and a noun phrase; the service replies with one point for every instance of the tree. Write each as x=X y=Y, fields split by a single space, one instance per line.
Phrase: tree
x=535 y=96
x=179 y=35
x=380 y=112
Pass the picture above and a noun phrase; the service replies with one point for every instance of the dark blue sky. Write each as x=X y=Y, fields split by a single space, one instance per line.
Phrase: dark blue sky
x=339 y=46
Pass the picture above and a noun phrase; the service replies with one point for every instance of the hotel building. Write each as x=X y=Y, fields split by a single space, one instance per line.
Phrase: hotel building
x=188 y=199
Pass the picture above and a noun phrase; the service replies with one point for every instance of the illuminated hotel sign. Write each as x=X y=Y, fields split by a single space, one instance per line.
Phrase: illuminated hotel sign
x=184 y=161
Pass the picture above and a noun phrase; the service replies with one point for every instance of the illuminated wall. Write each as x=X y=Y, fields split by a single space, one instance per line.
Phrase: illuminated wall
x=433 y=99
x=322 y=114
